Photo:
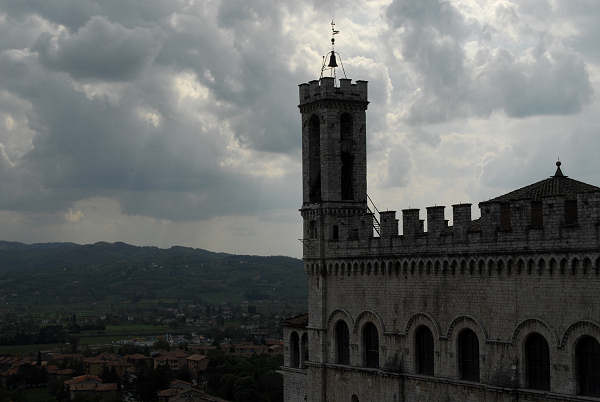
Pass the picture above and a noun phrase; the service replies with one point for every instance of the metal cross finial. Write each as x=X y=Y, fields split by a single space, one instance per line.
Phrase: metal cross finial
x=333 y=30
x=333 y=33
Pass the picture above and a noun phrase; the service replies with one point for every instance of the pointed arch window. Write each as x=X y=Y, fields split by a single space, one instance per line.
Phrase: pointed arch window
x=342 y=343
x=370 y=345
x=587 y=356
x=294 y=350
x=347 y=156
x=314 y=159
x=468 y=355
x=537 y=362
x=424 y=351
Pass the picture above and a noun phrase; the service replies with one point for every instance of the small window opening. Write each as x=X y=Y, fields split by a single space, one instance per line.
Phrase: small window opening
x=335 y=232
x=424 y=351
x=537 y=215
x=304 y=347
x=537 y=362
x=571 y=212
x=371 y=345
x=347 y=156
x=468 y=355
x=294 y=350
x=587 y=356
x=312 y=229
x=342 y=343
x=505 y=217
x=314 y=158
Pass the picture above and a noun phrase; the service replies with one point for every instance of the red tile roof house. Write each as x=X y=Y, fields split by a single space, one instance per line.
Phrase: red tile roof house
x=95 y=365
x=91 y=385
x=197 y=362
x=58 y=373
x=175 y=359
x=245 y=349
x=197 y=365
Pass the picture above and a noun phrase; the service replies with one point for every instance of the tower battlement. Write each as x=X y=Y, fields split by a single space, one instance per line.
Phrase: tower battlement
x=325 y=88
x=504 y=226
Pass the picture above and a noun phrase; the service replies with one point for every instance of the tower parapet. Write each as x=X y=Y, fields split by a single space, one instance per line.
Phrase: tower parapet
x=325 y=88
x=535 y=218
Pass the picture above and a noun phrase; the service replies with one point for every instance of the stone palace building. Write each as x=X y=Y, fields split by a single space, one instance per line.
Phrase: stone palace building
x=501 y=308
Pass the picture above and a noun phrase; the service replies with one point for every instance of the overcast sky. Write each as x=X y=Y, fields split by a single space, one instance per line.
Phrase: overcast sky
x=163 y=122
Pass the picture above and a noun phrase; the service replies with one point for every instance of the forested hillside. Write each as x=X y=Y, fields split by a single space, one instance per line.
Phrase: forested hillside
x=67 y=273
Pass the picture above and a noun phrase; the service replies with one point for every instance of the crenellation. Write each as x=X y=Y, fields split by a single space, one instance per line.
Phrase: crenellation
x=485 y=233
x=389 y=224
x=325 y=89
x=435 y=220
x=461 y=221
x=411 y=224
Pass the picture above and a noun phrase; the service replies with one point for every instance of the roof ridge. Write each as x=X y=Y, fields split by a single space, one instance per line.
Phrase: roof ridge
x=559 y=184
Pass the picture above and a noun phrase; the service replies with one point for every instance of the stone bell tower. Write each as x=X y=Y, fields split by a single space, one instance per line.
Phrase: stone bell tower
x=334 y=157
x=334 y=189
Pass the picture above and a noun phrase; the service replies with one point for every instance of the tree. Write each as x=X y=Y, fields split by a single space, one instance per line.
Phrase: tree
x=161 y=344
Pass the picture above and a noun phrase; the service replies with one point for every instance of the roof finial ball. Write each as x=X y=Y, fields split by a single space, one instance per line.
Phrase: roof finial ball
x=559 y=172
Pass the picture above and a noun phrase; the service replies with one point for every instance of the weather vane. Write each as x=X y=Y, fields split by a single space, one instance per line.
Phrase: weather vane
x=332 y=65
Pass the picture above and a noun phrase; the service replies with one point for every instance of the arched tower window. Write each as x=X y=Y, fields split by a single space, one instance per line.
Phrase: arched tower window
x=294 y=350
x=347 y=156
x=537 y=362
x=370 y=345
x=424 y=351
x=355 y=398
x=587 y=356
x=304 y=349
x=342 y=343
x=468 y=355
x=314 y=155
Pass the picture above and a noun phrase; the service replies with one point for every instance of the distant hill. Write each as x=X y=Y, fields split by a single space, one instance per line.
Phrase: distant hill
x=68 y=273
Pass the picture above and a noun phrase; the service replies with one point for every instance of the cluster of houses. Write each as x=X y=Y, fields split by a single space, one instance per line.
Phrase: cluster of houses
x=59 y=366
x=64 y=367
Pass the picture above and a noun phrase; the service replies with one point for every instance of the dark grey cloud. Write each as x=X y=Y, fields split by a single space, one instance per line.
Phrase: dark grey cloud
x=75 y=14
x=100 y=50
x=91 y=144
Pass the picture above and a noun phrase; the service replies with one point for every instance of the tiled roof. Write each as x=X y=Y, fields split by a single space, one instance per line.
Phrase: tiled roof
x=168 y=392
x=83 y=378
x=180 y=382
x=299 y=321
x=197 y=357
x=94 y=387
x=136 y=356
x=559 y=184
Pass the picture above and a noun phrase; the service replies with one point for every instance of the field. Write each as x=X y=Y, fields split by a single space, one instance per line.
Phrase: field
x=111 y=334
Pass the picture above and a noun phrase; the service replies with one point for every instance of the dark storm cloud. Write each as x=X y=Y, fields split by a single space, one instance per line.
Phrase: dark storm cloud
x=172 y=167
x=433 y=36
x=99 y=50
x=75 y=13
